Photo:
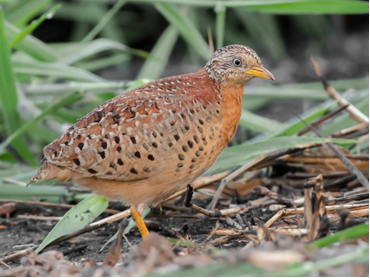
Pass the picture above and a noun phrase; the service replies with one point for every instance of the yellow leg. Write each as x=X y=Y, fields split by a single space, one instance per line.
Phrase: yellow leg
x=139 y=222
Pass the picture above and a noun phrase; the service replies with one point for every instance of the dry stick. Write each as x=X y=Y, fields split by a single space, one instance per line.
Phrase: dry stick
x=278 y=198
x=349 y=130
x=321 y=120
x=348 y=163
x=229 y=178
x=209 y=213
x=210 y=40
x=271 y=221
x=354 y=113
x=357 y=197
x=46 y=204
x=258 y=162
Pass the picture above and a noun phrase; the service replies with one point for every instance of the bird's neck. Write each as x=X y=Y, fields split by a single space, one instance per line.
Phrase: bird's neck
x=231 y=102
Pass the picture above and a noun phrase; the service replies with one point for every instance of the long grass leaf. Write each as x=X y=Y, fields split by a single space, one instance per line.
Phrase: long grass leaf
x=236 y=156
x=350 y=233
x=280 y=6
x=103 y=21
x=20 y=13
x=220 y=24
x=8 y=95
x=152 y=69
x=72 y=98
x=76 y=218
x=33 y=25
x=259 y=123
x=54 y=70
x=31 y=45
x=186 y=28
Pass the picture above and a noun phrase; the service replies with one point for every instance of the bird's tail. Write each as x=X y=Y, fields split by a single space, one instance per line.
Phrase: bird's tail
x=47 y=171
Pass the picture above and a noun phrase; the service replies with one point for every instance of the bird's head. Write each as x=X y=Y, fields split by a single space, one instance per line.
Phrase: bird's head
x=236 y=64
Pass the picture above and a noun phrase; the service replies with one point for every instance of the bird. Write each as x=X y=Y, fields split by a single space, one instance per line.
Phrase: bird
x=144 y=145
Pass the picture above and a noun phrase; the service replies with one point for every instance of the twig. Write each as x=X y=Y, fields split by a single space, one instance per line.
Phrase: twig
x=38 y=217
x=348 y=163
x=256 y=163
x=323 y=119
x=16 y=256
x=209 y=213
x=46 y=204
x=354 y=113
x=349 y=130
x=279 y=199
x=210 y=40
x=275 y=218
x=13 y=181
x=211 y=234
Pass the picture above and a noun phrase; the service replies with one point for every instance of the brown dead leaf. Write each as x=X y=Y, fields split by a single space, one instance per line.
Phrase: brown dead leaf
x=114 y=254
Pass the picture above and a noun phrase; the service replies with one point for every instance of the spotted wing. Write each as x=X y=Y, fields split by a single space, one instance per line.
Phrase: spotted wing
x=126 y=137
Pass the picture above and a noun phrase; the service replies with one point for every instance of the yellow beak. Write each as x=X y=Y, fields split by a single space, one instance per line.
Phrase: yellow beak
x=260 y=72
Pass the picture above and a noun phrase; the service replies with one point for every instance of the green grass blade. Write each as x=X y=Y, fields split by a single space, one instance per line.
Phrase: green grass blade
x=350 y=233
x=103 y=21
x=186 y=28
x=21 y=12
x=76 y=218
x=42 y=192
x=280 y=7
x=259 y=123
x=306 y=7
x=54 y=70
x=72 y=98
x=236 y=156
x=33 y=25
x=152 y=69
x=74 y=52
x=8 y=95
x=266 y=34
x=220 y=25
x=31 y=45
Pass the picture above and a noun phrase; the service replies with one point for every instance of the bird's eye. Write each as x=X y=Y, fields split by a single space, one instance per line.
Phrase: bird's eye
x=237 y=62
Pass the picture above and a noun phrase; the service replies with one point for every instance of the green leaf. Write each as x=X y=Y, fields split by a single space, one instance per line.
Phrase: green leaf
x=20 y=13
x=186 y=28
x=103 y=21
x=236 y=156
x=220 y=24
x=297 y=125
x=306 y=7
x=46 y=193
x=8 y=95
x=54 y=70
x=259 y=123
x=152 y=69
x=76 y=218
x=51 y=109
x=73 y=52
x=33 y=25
x=280 y=7
x=350 y=233
x=31 y=45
